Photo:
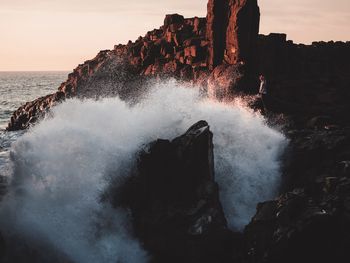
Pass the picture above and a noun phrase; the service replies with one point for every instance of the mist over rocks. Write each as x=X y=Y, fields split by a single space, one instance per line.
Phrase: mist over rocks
x=174 y=201
x=62 y=166
x=222 y=55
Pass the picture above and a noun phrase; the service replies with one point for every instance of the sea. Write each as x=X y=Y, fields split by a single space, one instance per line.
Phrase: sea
x=53 y=175
x=17 y=88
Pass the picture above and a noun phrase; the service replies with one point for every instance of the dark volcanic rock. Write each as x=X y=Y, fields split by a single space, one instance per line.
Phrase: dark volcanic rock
x=106 y=75
x=178 y=49
x=314 y=155
x=216 y=31
x=175 y=204
x=232 y=31
x=173 y=196
x=310 y=222
x=224 y=54
x=301 y=228
x=242 y=31
x=173 y=19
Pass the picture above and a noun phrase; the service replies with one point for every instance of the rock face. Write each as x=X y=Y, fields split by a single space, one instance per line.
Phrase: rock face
x=306 y=81
x=242 y=31
x=107 y=74
x=301 y=228
x=178 y=49
x=310 y=222
x=216 y=31
x=173 y=196
x=174 y=201
x=232 y=31
x=223 y=54
x=232 y=35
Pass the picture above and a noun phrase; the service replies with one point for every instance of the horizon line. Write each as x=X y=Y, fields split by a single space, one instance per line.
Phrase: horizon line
x=47 y=70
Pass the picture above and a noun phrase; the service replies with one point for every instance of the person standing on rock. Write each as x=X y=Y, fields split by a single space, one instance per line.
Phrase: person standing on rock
x=263 y=91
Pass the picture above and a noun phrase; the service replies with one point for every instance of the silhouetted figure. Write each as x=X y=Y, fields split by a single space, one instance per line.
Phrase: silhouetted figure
x=263 y=91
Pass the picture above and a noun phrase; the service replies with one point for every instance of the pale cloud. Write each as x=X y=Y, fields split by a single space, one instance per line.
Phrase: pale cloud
x=59 y=34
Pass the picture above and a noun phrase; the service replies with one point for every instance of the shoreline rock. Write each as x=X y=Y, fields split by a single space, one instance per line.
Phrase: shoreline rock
x=223 y=54
x=174 y=201
x=308 y=85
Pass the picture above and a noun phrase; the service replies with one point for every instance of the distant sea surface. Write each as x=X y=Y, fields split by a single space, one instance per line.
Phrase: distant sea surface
x=16 y=88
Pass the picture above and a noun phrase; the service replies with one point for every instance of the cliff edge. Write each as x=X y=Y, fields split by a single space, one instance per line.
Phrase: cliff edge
x=224 y=54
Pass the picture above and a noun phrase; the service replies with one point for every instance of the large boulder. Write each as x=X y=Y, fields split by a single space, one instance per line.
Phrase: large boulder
x=174 y=201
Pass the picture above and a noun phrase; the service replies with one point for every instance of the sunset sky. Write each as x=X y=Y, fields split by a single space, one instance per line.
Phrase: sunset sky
x=60 y=34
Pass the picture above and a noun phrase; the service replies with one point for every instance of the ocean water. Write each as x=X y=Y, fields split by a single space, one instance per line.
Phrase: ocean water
x=16 y=88
x=59 y=168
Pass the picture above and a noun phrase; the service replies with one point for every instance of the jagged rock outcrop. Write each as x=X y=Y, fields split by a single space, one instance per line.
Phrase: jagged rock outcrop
x=242 y=31
x=310 y=222
x=178 y=49
x=173 y=196
x=107 y=74
x=303 y=227
x=217 y=19
x=174 y=201
x=232 y=31
x=306 y=81
x=232 y=34
x=224 y=55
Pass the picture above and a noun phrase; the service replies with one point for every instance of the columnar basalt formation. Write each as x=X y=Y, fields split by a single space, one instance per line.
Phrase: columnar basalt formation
x=223 y=54
x=232 y=31
x=187 y=49
x=242 y=31
x=216 y=31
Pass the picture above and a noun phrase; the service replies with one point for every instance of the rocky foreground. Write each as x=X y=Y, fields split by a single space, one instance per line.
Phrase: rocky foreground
x=309 y=92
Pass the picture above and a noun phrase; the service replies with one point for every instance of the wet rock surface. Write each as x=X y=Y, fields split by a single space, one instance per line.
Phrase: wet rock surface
x=174 y=201
x=303 y=227
x=310 y=221
x=175 y=205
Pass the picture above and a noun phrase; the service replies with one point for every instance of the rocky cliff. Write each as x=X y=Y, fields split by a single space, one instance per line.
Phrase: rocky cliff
x=308 y=85
x=180 y=48
x=223 y=54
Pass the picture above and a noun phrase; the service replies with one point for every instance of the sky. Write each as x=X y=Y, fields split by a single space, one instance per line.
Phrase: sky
x=60 y=34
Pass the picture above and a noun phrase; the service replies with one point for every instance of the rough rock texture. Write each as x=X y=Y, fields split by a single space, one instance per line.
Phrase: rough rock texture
x=173 y=195
x=299 y=227
x=306 y=81
x=174 y=201
x=178 y=49
x=242 y=31
x=217 y=19
x=224 y=55
x=232 y=35
x=301 y=78
x=310 y=222
x=232 y=31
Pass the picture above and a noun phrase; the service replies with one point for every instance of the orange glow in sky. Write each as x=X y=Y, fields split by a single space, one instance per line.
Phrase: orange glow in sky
x=60 y=34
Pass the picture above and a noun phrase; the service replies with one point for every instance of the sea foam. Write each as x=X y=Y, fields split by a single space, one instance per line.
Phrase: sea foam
x=63 y=164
